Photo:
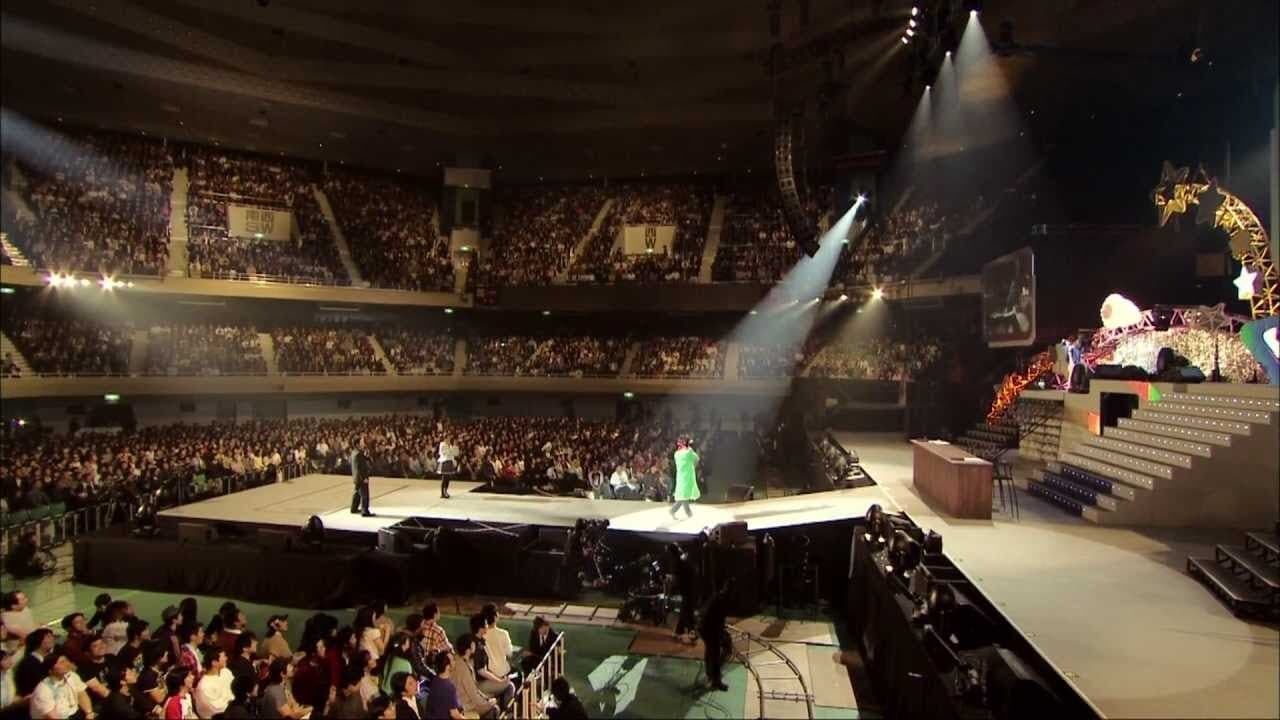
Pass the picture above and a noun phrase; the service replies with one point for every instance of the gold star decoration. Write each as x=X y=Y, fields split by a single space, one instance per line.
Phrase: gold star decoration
x=1209 y=201
x=1170 y=196
x=1241 y=242
x=1245 y=283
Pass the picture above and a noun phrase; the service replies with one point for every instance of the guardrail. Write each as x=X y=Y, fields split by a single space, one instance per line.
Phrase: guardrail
x=529 y=702
x=270 y=279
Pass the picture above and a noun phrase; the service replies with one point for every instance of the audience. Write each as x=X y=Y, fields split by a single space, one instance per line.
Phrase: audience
x=756 y=244
x=417 y=352
x=893 y=247
x=574 y=356
x=326 y=349
x=389 y=226
x=687 y=206
x=687 y=356
x=204 y=350
x=101 y=203
x=72 y=347
x=537 y=231
x=218 y=178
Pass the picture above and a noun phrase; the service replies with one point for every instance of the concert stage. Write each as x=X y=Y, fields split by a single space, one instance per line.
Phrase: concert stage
x=1111 y=608
x=288 y=505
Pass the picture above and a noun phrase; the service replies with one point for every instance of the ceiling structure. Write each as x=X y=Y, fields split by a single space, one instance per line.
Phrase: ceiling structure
x=560 y=88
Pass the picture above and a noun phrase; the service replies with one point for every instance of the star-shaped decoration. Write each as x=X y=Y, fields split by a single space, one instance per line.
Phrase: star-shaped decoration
x=1210 y=200
x=1241 y=242
x=1170 y=196
x=1245 y=283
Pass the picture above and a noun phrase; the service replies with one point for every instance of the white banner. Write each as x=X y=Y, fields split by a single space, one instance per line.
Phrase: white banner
x=648 y=239
x=259 y=222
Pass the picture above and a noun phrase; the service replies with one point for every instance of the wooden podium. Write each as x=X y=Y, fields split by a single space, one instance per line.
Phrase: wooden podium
x=959 y=487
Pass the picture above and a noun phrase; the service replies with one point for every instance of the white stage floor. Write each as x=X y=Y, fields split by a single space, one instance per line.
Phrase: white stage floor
x=394 y=499
x=1112 y=608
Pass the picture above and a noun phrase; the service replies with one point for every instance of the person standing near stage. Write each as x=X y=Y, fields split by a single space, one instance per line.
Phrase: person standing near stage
x=360 y=477
x=682 y=568
x=715 y=638
x=447 y=465
x=686 y=462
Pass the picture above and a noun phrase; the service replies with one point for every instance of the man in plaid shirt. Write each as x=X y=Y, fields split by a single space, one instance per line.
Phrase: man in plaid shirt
x=433 y=636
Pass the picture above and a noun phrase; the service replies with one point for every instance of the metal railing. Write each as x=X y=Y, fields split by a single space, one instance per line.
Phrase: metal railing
x=529 y=702
x=270 y=279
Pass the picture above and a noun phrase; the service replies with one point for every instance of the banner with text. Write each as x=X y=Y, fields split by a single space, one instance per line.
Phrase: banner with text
x=648 y=239
x=259 y=222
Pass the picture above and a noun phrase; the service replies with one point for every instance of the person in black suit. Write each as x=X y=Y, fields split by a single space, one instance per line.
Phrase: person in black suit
x=568 y=706
x=712 y=628
x=360 y=477
x=682 y=568
x=30 y=669
x=405 y=686
x=541 y=638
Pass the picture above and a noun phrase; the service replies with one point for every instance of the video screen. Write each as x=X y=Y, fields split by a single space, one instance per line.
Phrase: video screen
x=1009 y=300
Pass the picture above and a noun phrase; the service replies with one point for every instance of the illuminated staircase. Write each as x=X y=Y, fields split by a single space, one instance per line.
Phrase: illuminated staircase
x=1194 y=459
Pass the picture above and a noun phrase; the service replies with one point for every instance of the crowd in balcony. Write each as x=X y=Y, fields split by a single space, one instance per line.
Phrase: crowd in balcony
x=893 y=246
x=325 y=349
x=204 y=349
x=756 y=244
x=687 y=206
x=558 y=355
x=536 y=232
x=100 y=203
x=72 y=347
x=418 y=352
x=868 y=358
x=769 y=360
x=686 y=356
x=218 y=179
x=389 y=226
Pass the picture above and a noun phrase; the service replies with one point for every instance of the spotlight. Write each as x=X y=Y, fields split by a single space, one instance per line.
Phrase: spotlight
x=862 y=198
x=905 y=40
x=915 y=11
x=84 y=282
x=911 y=32
x=843 y=297
x=911 y=23
x=448 y=311
x=973 y=13
x=877 y=294
x=948 y=54
x=928 y=87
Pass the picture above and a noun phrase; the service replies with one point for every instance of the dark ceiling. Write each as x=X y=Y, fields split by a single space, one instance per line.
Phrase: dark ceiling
x=562 y=87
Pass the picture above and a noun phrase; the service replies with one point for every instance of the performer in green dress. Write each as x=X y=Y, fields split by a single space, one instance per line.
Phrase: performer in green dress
x=686 y=461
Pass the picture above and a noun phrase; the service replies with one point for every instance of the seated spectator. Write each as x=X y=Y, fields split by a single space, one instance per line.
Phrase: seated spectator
x=893 y=247
x=16 y=615
x=276 y=699
x=349 y=702
x=687 y=206
x=275 y=645
x=32 y=668
x=177 y=702
x=213 y=692
x=464 y=677
x=391 y=228
x=61 y=694
x=444 y=702
x=119 y=704
x=756 y=244
x=205 y=350
x=541 y=639
x=568 y=706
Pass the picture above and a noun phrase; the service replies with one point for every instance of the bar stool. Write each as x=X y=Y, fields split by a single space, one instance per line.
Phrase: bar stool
x=1002 y=476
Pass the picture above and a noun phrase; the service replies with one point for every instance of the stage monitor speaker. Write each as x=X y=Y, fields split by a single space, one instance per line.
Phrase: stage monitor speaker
x=190 y=533
x=1119 y=372
x=739 y=563
x=730 y=534
x=390 y=540
x=1014 y=690
x=275 y=541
